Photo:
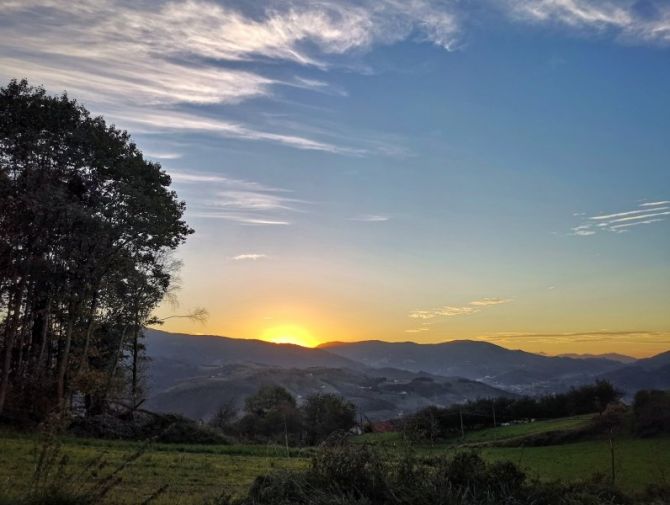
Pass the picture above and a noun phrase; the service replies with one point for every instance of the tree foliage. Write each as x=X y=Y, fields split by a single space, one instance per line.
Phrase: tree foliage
x=327 y=413
x=272 y=414
x=86 y=230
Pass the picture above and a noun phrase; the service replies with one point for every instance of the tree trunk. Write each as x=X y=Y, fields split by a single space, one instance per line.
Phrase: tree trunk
x=115 y=364
x=43 y=342
x=134 y=383
x=83 y=365
x=10 y=337
x=62 y=365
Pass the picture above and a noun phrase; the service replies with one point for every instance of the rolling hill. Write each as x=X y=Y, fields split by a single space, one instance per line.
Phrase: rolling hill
x=195 y=375
x=376 y=394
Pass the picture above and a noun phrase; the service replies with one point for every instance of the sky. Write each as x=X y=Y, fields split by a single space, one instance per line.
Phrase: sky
x=397 y=170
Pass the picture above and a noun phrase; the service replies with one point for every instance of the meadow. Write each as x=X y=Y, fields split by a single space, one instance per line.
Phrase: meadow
x=196 y=473
x=192 y=473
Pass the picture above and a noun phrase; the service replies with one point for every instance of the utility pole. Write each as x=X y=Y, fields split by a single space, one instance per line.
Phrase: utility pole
x=288 y=452
x=493 y=407
x=612 y=455
x=460 y=414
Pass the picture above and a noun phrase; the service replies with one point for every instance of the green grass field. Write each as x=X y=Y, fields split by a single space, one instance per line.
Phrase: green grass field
x=194 y=473
x=638 y=462
x=498 y=434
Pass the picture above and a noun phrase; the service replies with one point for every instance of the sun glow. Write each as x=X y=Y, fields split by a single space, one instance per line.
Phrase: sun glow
x=289 y=334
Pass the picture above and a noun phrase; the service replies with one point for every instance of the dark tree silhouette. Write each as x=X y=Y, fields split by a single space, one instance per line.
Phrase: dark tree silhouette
x=86 y=228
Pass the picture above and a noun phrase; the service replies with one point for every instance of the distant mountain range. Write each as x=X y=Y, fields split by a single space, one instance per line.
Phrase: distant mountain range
x=517 y=371
x=195 y=375
x=621 y=358
x=648 y=373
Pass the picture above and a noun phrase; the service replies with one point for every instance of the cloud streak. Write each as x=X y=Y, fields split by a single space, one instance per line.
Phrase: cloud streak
x=634 y=337
x=370 y=218
x=620 y=222
x=240 y=201
x=249 y=256
x=473 y=307
x=629 y=20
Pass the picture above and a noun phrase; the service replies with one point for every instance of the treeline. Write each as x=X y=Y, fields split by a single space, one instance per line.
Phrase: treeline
x=433 y=423
x=651 y=412
x=86 y=230
x=273 y=415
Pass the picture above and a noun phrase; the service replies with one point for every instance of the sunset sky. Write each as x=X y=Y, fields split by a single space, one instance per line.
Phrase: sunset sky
x=395 y=170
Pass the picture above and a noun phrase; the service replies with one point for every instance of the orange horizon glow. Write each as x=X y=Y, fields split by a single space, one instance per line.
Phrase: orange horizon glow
x=289 y=334
x=635 y=344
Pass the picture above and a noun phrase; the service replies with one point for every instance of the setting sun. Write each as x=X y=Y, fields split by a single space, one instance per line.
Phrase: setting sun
x=289 y=334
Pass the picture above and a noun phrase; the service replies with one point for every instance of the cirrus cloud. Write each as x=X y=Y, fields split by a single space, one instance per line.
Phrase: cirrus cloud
x=140 y=63
x=450 y=311
x=622 y=221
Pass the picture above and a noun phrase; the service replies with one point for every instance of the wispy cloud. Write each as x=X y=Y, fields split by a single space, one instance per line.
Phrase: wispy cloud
x=139 y=63
x=622 y=221
x=253 y=201
x=485 y=302
x=249 y=257
x=655 y=204
x=450 y=311
x=157 y=121
x=370 y=218
x=417 y=330
x=635 y=336
x=629 y=20
x=162 y=155
x=217 y=196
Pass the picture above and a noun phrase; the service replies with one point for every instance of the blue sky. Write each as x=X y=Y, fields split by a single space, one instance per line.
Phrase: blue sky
x=397 y=170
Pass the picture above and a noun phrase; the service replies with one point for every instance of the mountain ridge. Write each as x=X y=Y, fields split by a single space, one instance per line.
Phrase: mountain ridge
x=190 y=373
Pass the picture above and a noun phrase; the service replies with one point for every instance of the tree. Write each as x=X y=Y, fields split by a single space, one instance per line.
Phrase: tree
x=271 y=414
x=85 y=225
x=224 y=418
x=605 y=394
x=326 y=413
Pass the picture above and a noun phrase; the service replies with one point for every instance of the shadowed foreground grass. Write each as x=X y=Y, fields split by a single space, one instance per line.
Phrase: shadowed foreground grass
x=192 y=473
x=195 y=473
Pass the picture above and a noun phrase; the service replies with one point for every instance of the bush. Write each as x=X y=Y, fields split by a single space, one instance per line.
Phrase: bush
x=167 y=428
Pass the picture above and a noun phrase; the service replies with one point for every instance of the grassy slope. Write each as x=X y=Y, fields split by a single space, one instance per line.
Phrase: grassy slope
x=638 y=462
x=193 y=473
x=490 y=435
x=524 y=430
